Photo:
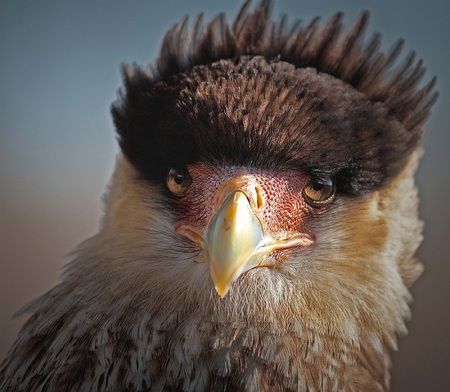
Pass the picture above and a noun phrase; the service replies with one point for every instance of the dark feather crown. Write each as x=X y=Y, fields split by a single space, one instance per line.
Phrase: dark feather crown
x=214 y=94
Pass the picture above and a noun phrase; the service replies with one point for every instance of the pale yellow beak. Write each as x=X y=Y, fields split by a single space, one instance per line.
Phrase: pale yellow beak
x=232 y=241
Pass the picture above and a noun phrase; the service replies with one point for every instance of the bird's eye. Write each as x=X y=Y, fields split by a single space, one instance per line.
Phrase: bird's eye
x=319 y=192
x=178 y=181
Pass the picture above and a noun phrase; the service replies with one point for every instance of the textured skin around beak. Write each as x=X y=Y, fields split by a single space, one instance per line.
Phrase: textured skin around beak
x=232 y=241
x=253 y=217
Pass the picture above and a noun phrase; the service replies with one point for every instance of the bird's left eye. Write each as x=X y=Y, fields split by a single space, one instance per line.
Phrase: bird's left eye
x=319 y=192
x=178 y=181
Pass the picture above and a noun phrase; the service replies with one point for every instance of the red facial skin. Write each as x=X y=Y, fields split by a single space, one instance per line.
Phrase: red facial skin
x=275 y=196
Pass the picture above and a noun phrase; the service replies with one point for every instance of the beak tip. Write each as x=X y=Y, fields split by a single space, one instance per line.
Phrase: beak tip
x=222 y=290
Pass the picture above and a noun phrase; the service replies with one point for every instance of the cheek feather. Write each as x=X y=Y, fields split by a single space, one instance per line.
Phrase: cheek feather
x=365 y=228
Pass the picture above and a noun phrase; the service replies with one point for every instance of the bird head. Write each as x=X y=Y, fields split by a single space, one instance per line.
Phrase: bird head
x=254 y=135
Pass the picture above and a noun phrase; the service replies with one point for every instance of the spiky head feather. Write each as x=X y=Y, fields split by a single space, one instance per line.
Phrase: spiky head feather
x=259 y=92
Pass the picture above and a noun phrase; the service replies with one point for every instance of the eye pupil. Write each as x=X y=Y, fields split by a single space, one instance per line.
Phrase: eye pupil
x=317 y=186
x=179 y=178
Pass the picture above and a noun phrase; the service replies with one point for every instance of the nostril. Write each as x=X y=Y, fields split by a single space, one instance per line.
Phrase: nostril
x=259 y=197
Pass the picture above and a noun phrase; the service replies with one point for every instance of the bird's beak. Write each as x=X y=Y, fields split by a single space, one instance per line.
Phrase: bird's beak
x=232 y=241
x=236 y=240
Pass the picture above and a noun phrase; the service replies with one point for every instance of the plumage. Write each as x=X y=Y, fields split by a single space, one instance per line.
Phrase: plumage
x=312 y=134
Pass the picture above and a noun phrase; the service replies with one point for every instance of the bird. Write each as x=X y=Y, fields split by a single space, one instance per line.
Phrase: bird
x=260 y=227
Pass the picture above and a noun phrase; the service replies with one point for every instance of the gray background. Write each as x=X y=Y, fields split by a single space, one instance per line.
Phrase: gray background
x=59 y=73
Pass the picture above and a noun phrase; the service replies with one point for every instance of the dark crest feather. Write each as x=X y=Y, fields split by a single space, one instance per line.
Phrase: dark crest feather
x=343 y=53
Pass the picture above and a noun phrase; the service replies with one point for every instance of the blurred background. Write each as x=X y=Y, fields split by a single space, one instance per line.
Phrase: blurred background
x=59 y=73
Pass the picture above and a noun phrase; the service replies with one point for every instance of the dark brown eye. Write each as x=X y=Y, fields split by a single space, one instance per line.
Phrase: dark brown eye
x=178 y=181
x=319 y=192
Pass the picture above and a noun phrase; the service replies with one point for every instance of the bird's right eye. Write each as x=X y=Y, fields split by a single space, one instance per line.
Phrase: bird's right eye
x=319 y=192
x=178 y=181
